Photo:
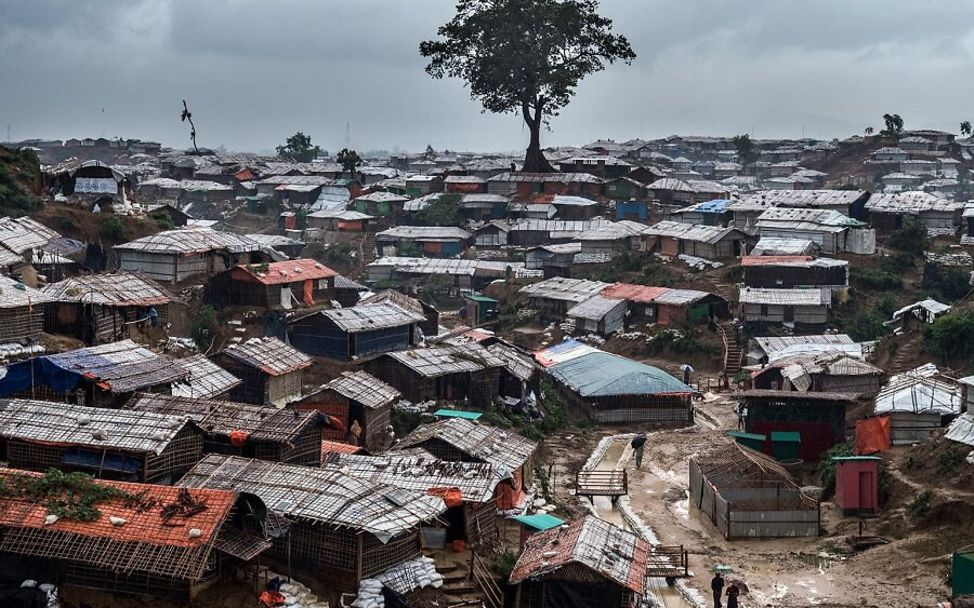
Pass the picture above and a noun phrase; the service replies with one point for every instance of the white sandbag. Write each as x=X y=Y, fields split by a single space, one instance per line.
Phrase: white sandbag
x=28 y=583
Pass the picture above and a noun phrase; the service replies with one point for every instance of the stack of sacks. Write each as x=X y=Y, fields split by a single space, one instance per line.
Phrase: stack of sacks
x=299 y=596
x=369 y=594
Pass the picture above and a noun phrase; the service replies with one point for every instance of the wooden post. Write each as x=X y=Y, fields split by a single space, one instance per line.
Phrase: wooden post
x=358 y=558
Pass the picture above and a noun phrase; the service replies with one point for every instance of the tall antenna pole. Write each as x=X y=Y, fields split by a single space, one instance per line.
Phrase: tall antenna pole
x=348 y=139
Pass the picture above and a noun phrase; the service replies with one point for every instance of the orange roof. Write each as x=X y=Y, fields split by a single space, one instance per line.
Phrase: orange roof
x=336 y=447
x=145 y=527
x=290 y=271
x=633 y=293
x=771 y=260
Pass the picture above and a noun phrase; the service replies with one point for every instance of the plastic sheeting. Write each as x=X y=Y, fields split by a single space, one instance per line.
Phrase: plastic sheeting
x=41 y=371
x=872 y=435
x=961 y=429
x=601 y=374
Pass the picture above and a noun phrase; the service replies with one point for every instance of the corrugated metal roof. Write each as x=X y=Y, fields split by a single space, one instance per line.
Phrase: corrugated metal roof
x=23 y=234
x=911 y=203
x=817 y=217
x=62 y=424
x=594 y=308
x=14 y=294
x=540 y=178
x=364 y=388
x=190 y=240
x=785 y=297
x=680 y=297
x=689 y=232
x=471 y=268
x=448 y=233
x=370 y=317
x=325 y=496
x=518 y=364
x=114 y=289
x=643 y=294
x=799 y=261
x=188 y=185
x=561 y=288
x=779 y=246
x=602 y=374
x=443 y=360
x=495 y=446
x=206 y=379
x=269 y=355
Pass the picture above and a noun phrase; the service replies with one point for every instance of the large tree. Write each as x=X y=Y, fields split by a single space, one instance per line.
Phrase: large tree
x=525 y=56
x=298 y=148
x=747 y=154
x=894 y=125
x=349 y=160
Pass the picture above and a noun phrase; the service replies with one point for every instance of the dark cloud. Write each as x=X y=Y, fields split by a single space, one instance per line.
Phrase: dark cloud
x=257 y=71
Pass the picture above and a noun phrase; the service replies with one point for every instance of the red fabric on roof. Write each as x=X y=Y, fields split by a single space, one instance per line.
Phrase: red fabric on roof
x=634 y=293
x=772 y=260
x=146 y=527
x=290 y=271
x=337 y=447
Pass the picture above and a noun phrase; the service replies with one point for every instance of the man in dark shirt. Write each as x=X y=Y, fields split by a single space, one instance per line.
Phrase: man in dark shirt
x=717 y=586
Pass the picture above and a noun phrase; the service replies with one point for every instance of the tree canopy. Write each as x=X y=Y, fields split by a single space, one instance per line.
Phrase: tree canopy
x=525 y=56
x=298 y=148
x=349 y=160
x=747 y=154
x=894 y=125
x=965 y=127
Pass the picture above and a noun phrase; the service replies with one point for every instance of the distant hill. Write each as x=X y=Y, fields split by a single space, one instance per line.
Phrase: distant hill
x=20 y=182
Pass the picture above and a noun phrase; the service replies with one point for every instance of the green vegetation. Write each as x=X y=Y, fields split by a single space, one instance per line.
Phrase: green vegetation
x=409 y=249
x=952 y=336
x=444 y=211
x=203 y=326
x=945 y=284
x=747 y=154
x=112 y=228
x=17 y=168
x=866 y=323
x=911 y=237
x=920 y=504
x=683 y=342
x=875 y=280
x=71 y=496
x=349 y=160
x=949 y=459
x=504 y=565
x=894 y=125
x=337 y=256
x=299 y=148
x=165 y=223
x=826 y=467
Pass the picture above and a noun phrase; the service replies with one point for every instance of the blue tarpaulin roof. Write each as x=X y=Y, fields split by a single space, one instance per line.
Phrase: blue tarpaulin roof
x=601 y=374
x=718 y=205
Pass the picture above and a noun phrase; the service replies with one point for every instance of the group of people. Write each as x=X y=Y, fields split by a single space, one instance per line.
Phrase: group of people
x=717 y=586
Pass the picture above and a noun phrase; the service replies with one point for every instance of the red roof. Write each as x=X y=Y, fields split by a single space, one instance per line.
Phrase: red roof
x=145 y=527
x=604 y=548
x=291 y=271
x=634 y=293
x=773 y=260
x=337 y=447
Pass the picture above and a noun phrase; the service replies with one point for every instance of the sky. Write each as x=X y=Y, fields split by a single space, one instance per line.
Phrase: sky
x=254 y=72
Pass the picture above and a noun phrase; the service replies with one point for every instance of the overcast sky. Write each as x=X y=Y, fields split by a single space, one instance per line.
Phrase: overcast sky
x=254 y=72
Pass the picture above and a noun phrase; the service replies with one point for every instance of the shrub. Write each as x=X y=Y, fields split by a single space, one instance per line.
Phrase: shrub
x=920 y=504
x=947 y=284
x=112 y=228
x=911 y=237
x=875 y=280
x=444 y=211
x=948 y=460
x=826 y=467
x=505 y=565
x=952 y=336
x=203 y=326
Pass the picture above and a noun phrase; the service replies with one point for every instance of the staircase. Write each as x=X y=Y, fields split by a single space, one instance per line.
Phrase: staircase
x=733 y=352
x=460 y=588
x=365 y=256
x=905 y=357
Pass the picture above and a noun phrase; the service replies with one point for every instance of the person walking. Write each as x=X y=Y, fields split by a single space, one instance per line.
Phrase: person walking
x=741 y=416
x=732 y=593
x=638 y=445
x=717 y=586
x=687 y=370
x=153 y=317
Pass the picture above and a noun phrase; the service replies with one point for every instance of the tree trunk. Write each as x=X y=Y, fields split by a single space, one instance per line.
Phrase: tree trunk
x=534 y=160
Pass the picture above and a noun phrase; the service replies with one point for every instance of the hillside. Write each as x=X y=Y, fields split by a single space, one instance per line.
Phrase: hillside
x=20 y=182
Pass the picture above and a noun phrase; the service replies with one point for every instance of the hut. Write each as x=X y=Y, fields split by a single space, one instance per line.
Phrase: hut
x=938 y=215
x=114 y=444
x=172 y=256
x=151 y=554
x=467 y=488
x=348 y=292
x=270 y=369
x=807 y=310
x=748 y=495
x=349 y=333
x=285 y=284
x=589 y=563
x=832 y=231
x=363 y=405
x=790 y=272
x=518 y=374
x=206 y=379
x=919 y=402
x=102 y=376
x=819 y=418
x=19 y=321
x=537 y=522
x=433 y=241
x=598 y=315
x=462 y=440
x=615 y=389
x=857 y=484
x=552 y=298
x=101 y=308
x=341 y=530
x=449 y=372
x=242 y=429
x=671 y=238
x=825 y=372
x=431 y=323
